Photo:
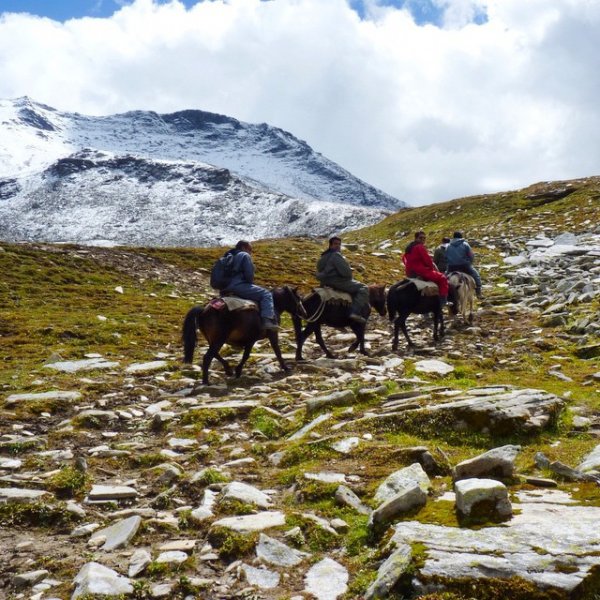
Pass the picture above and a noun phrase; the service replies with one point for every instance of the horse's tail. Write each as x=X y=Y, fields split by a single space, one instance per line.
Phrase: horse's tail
x=188 y=333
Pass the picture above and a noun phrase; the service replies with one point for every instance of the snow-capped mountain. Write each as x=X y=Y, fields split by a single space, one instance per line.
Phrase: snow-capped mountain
x=187 y=178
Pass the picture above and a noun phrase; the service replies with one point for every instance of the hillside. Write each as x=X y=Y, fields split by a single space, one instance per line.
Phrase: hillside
x=179 y=452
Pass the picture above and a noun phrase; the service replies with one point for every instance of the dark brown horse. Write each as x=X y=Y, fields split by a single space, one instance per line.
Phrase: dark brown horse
x=242 y=328
x=335 y=315
x=403 y=299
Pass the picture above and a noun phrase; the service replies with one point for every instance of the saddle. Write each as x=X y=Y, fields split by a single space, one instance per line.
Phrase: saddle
x=427 y=288
x=331 y=296
x=232 y=303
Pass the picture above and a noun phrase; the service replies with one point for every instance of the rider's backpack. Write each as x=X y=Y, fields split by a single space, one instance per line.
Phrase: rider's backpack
x=222 y=272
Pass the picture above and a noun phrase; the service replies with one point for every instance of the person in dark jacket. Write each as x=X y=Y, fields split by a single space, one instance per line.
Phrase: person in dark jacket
x=418 y=263
x=459 y=257
x=439 y=255
x=242 y=284
x=334 y=271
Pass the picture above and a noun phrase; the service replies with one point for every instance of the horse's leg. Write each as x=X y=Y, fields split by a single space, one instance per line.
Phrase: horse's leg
x=212 y=352
x=321 y=341
x=436 y=323
x=359 y=332
x=402 y=318
x=300 y=337
x=396 y=332
x=274 y=339
x=240 y=365
x=226 y=365
x=442 y=325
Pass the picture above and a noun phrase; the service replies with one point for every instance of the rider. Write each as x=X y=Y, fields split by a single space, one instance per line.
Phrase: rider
x=417 y=262
x=439 y=255
x=459 y=257
x=334 y=271
x=242 y=284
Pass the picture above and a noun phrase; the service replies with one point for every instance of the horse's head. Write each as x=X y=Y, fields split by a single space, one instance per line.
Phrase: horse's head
x=288 y=299
x=377 y=298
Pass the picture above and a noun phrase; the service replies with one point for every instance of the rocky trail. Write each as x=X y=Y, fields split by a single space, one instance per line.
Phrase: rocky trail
x=394 y=475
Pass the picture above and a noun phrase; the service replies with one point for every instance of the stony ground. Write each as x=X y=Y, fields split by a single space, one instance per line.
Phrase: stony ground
x=136 y=467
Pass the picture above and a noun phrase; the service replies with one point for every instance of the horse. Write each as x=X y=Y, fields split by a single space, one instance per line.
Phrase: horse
x=238 y=328
x=335 y=315
x=462 y=293
x=403 y=299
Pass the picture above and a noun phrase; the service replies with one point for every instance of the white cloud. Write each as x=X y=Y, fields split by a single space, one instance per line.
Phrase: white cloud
x=425 y=113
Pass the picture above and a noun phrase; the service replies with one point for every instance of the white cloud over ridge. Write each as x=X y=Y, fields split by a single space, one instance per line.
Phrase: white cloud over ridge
x=426 y=113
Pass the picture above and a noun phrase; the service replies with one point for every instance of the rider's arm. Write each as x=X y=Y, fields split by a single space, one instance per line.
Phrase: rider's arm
x=247 y=267
x=341 y=266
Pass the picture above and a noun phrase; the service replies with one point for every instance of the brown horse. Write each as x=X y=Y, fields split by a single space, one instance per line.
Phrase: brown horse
x=238 y=328
x=335 y=315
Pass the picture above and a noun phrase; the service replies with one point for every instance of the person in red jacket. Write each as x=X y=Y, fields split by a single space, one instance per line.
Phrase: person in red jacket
x=418 y=263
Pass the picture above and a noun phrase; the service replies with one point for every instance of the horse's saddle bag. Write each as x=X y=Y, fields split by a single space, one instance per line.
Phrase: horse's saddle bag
x=232 y=303
x=328 y=294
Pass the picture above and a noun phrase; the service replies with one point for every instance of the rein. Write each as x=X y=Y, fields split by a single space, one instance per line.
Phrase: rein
x=318 y=312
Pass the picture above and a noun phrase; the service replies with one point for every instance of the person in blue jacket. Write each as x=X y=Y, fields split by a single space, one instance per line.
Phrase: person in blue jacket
x=242 y=284
x=459 y=257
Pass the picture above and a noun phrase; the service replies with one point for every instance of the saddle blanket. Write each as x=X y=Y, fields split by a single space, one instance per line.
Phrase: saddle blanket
x=427 y=288
x=232 y=303
x=328 y=294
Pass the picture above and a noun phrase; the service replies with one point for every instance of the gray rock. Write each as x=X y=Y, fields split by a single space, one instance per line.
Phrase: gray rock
x=88 y=364
x=591 y=463
x=276 y=553
x=309 y=427
x=111 y=492
x=147 y=367
x=327 y=580
x=495 y=463
x=140 y=559
x=345 y=496
x=55 y=395
x=401 y=480
x=94 y=578
x=532 y=545
x=433 y=366
x=172 y=557
x=29 y=579
x=262 y=578
x=474 y=495
x=405 y=501
x=119 y=534
x=21 y=495
x=389 y=573
x=246 y=493
x=336 y=399
x=249 y=523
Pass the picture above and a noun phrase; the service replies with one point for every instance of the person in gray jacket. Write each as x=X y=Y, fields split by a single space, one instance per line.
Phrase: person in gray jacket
x=242 y=284
x=459 y=257
x=334 y=271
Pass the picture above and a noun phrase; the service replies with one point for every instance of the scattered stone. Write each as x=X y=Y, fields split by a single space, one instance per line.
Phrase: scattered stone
x=433 y=366
x=148 y=367
x=402 y=480
x=42 y=396
x=119 y=534
x=262 y=578
x=336 y=399
x=495 y=463
x=482 y=499
x=276 y=553
x=326 y=477
x=408 y=499
x=88 y=364
x=247 y=494
x=29 y=579
x=345 y=496
x=140 y=559
x=20 y=495
x=172 y=557
x=94 y=578
x=591 y=463
x=346 y=445
x=327 y=580
x=389 y=573
x=310 y=426
x=111 y=492
x=250 y=523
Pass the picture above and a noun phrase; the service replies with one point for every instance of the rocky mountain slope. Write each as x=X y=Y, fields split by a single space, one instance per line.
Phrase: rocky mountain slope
x=186 y=178
x=463 y=469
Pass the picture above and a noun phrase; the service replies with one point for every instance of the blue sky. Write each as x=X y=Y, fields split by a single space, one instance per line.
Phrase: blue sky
x=423 y=11
x=499 y=94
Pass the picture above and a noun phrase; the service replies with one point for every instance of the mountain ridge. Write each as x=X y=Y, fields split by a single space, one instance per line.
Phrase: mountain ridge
x=268 y=166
